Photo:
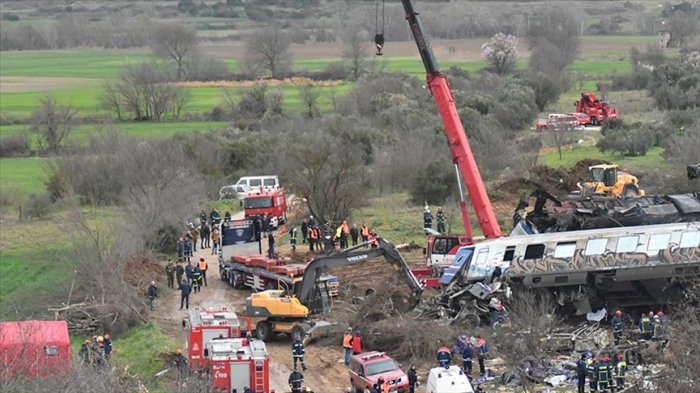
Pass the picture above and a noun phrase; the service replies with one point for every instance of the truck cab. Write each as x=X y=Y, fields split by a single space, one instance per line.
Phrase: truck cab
x=366 y=368
x=448 y=380
x=274 y=203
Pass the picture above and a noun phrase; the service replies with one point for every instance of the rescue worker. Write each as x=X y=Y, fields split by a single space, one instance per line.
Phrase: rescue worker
x=592 y=374
x=298 y=353
x=170 y=273
x=354 y=234
x=215 y=217
x=313 y=237
x=215 y=240
x=221 y=337
x=203 y=217
x=347 y=344
x=180 y=249
x=427 y=218
x=364 y=232
x=344 y=233
x=603 y=375
x=293 y=238
x=206 y=235
x=271 y=246
x=185 y=290
x=620 y=371
x=482 y=351
x=617 y=326
x=356 y=343
x=100 y=352
x=440 y=220
x=203 y=266
x=227 y=216
x=581 y=371
x=180 y=363
x=152 y=295
x=645 y=326
x=444 y=356
x=479 y=389
x=312 y=223
x=383 y=385
x=467 y=356
x=296 y=379
x=412 y=379
x=656 y=328
x=304 y=230
x=374 y=238
x=108 y=346
x=84 y=353
x=188 y=249
x=196 y=279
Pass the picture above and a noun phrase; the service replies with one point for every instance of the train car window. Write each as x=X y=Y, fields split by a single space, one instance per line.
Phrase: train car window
x=595 y=247
x=509 y=254
x=690 y=239
x=627 y=244
x=534 y=251
x=565 y=250
x=481 y=258
x=658 y=241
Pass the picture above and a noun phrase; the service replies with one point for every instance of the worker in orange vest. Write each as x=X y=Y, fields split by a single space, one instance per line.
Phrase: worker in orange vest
x=364 y=232
x=345 y=231
x=203 y=267
x=347 y=344
x=382 y=385
x=313 y=236
x=374 y=238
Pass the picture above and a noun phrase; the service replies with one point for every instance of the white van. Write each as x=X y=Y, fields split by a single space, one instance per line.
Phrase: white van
x=451 y=380
x=269 y=183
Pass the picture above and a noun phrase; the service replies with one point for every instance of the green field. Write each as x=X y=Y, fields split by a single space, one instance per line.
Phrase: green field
x=570 y=157
x=22 y=176
x=145 y=129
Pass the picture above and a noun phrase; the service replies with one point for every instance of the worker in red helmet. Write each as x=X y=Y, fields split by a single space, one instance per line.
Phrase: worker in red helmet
x=620 y=371
x=84 y=353
x=181 y=363
x=617 y=326
x=444 y=356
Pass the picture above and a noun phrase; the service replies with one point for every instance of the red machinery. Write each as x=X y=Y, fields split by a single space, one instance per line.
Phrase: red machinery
x=206 y=325
x=238 y=363
x=273 y=202
x=597 y=110
x=465 y=165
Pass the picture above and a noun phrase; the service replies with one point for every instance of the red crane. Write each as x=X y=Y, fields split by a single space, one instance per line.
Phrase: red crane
x=462 y=155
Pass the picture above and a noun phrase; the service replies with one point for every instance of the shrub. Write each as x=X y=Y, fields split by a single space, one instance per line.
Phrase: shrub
x=633 y=140
x=10 y=17
x=14 y=145
x=38 y=205
x=434 y=184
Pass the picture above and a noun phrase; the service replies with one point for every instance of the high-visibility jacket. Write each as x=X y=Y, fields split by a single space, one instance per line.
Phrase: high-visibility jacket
x=603 y=372
x=345 y=228
x=621 y=369
x=203 y=265
x=385 y=387
x=347 y=340
x=645 y=324
x=313 y=235
x=364 y=231
x=338 y=232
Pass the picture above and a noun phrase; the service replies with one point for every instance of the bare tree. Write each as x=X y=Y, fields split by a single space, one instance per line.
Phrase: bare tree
x=52 y=123
x=268 y=48
x=111 y=99
x=683 y=26
x=146 y=92
x=181 y=100
x=174 y=41
x=310 y=95
x=502 y=52
x=355 y=49
x=529 y=148
x=559 y=132
x=555 y=41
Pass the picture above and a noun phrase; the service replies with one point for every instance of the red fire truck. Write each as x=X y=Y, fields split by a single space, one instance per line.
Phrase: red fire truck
x=273 y=202
x=206 y=325
x=238 y=363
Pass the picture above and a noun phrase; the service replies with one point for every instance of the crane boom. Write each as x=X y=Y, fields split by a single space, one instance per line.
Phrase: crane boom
x=462 y=155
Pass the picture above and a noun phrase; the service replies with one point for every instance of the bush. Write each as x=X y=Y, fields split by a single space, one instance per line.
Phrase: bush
x=14 y=145
x=38 y=205
x=10 y=17
x=633 y=140
x=434 y=184
x=546 y=88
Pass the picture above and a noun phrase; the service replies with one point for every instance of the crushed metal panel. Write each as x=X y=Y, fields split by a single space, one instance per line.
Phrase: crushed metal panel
x=686 y=203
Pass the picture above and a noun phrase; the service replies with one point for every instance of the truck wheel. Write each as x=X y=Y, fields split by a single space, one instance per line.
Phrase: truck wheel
x=263 y=330
x=283 y=219
x=630 y=191
x=299 y=331
x=238 y=281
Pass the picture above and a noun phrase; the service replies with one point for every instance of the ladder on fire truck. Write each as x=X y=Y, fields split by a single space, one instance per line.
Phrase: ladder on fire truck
x=259 y=377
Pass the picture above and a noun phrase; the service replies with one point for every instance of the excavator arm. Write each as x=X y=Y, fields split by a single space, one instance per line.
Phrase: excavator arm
x=351 y=256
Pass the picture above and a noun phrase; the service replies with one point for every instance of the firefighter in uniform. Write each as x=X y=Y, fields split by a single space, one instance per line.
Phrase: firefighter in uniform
x=293 y=238
x=440 y=220
x=603 y=375
x=617 y=326
x=85 y=353
x=592 y=374
x=181 y=363
x=298 y=353
x=620 y=371
x=645 y=326
x=427 y=218
x=295 y=380
x=444 y=356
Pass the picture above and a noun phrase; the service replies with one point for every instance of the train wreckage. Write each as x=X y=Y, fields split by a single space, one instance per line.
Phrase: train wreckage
x=589 y=254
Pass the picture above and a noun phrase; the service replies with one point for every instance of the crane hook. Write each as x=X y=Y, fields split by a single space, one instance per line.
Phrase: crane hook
x=379 y=43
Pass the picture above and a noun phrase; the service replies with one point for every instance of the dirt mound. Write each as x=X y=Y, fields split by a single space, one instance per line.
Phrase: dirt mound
x=142 y=269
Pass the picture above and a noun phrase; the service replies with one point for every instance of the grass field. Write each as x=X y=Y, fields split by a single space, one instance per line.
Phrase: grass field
x=570 y=157
x=142 y=348
x=22 y=176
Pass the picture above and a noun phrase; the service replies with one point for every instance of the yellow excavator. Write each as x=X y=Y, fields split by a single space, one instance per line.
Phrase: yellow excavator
x=291 y=314
x=609 y=181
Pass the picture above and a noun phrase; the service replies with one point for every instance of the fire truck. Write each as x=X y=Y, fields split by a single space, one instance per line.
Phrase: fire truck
x=272 y=202
x=597 y=110
x=238 y=363
x=205 y=325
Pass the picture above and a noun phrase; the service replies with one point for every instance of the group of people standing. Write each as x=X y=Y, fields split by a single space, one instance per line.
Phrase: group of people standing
x=343 y=236
x=96 y=352
x=428 y=219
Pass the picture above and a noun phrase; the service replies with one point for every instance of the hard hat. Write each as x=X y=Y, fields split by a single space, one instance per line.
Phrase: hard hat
x=349 y=329
x=106 y=336
x=311 y=217
x=179 y=351
x=656 y=317
x=94 y=337
x=620 y=356
x=594 y=360
x=100 y=339
x=618 y=312
x=87 y=341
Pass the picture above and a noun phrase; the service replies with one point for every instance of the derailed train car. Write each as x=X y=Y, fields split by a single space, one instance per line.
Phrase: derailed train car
x=589 y=269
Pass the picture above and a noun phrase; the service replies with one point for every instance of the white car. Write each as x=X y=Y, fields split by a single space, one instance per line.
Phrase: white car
x=237 y=191
x=450 y=380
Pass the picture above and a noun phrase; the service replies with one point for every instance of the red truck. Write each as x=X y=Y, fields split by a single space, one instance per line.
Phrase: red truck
x=555 y=119
x=206 y=325
x=273 y=202
x=597 y=110
x=238 y=363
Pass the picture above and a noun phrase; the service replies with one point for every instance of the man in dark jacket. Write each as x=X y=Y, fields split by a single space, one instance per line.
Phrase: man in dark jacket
x=581 y=372
x=188 y=271
x=180 y=249
x=188 y=249
x=304 y=230
x=170 y=273
x=196 y=279
x=85 y=353
x=266 y=224
x=298 y=353
x=467 y=356
x=296 y=379
x=412 y=379
x=152 y=295
x=185 y=289
x=206 y=233
x=179 y=271
x=354 y=234
x=203 y=217
x=271 y=246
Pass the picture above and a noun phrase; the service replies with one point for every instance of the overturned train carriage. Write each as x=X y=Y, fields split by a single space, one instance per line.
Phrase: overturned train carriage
x=589 y=269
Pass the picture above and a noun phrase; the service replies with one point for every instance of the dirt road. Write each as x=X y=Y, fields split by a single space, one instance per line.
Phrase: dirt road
x=325 y=372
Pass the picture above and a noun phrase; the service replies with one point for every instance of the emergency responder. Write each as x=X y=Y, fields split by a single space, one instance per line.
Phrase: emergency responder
x=312 y=223
x=313 y=236
x=180 y=249
x=197 y=279
x=84 y=353
x=656 y=328
x=295 y=380
x=592 y=374
x=383 y=385
x=227 y=216
x=581 y=371
x=248 y=390
x=271 y=246
x=347 y=344
x=444 y=356
x=479 y=389
x=440 y=220
x=203 y=217
x=108 y=346
x=354 y=234
x=206 y=235
x=617 y=326
x=412 y=379
x=221 y=337
x=304 y=230
x=356 y=343
x=100 y=352
x=185 y=290
x=180 y=363
x=482 y=350
x=467 y=353
x=293 y=238
x=344 y=233
x=203 y=266
x=364 y=232
x=215 y=240
x=170 y=273
x=152 y=295
x=620 y=371
x=374 y=238
x=298 y=353
x=603 y=375
x=427 y=218
x=215 y=217
x=645 y=326
x=188 y=249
